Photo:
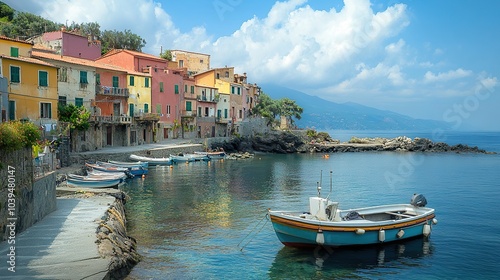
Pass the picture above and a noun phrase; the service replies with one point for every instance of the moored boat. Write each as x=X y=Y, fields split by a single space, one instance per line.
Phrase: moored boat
x=152 y=161
x=134 y=169
x=213 y=155
x=325 y=224
x=88 y=182
x=144 y=164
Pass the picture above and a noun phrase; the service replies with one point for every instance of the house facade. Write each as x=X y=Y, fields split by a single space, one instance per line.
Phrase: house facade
x=31 y=85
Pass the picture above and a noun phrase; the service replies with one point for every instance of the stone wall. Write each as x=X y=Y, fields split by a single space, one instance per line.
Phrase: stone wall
x=23 y=201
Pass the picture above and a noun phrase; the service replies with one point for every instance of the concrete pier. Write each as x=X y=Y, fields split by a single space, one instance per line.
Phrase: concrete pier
x=61 y=246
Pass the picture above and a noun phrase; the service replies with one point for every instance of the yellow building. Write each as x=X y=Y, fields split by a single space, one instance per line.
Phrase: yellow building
x=31 y=83
x=139 y=100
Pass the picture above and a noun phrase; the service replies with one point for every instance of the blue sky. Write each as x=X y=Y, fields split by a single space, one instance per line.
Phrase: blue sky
x=423 y=58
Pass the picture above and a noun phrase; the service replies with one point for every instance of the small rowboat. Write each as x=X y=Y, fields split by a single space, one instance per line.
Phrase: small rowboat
x=152 y=161
x=136 y=170
x=89 y=182
x=213 y=155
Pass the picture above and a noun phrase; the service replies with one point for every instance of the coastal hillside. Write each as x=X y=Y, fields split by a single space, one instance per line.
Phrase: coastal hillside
x=326 y=115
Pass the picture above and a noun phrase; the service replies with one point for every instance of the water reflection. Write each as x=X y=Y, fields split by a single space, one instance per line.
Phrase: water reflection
x=326 y=262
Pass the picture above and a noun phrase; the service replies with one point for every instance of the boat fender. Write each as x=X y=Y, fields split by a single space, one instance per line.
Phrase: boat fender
x=427 y=230
x=320 y=238
x=360 y=231
x=381 y=235
x=400 y=233
x=434 y=221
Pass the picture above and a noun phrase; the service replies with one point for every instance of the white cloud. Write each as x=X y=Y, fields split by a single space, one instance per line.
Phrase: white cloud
x=459 y=73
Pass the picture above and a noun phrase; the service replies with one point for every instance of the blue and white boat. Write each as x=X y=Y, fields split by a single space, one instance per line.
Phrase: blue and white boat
x=326 y=225
x=134 y=169
x=144 y=164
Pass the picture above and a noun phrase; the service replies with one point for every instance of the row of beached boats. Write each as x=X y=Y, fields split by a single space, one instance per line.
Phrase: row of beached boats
x=112 y=173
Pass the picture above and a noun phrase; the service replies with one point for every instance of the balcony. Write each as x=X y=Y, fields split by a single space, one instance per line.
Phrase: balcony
x=111 y=119
x=207 y=99
x=221 y=120
x=112 y=91
x=147 y=117
x=185 y=113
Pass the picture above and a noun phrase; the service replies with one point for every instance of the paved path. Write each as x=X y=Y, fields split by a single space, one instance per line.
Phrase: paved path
x=62 y=245
x=171 y=143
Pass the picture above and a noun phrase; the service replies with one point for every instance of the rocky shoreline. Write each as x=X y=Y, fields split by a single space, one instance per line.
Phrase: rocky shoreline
x=299 y=142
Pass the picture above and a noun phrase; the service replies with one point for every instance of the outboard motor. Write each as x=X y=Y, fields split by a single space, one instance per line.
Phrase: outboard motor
x=418 y=200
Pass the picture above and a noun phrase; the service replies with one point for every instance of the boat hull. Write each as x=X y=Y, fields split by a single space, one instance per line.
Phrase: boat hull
x=97 y=184
x=295 y=233
x=152 y=161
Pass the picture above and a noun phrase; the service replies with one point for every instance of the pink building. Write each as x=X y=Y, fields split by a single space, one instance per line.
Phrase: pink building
x=167 y=87
x=70 y=43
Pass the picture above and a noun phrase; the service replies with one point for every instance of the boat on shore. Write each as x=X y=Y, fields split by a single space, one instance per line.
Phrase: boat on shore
x=151 y=161
x=326 y=225
x=92 y=182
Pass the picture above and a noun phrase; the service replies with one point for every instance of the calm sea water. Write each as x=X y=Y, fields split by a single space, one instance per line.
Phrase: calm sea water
x=207 y=220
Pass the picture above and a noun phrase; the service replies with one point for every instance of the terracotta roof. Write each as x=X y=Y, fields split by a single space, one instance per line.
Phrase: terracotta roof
x=28 y=59
x=134 y=53
x=85 y=62
x=15 y=40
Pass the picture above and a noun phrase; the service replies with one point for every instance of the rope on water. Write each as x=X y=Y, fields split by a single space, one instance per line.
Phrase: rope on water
x=254 y=232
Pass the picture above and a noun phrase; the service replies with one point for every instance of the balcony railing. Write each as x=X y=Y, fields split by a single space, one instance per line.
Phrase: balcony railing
x=185 y=113
x=221 y=120
x=207 y=99
x=114 y=91
x=112 y=119
x=147 y=116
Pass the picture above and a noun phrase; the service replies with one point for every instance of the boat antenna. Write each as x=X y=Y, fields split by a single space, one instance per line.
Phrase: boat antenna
x=331 y=184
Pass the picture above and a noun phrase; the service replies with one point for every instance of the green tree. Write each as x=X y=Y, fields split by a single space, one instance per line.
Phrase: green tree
x=121 y=40
x=77 y=116
x=26 y=25
x=267 y=108
x=289 y=109
x=167 y=54
x=6 y=12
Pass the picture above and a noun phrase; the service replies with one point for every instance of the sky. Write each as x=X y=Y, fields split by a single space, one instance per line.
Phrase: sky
x=428 y=59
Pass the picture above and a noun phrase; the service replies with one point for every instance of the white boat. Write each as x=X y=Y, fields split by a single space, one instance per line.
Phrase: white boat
x=181 y=158
x=213 y=155
x=88 y=182
x=326 y=225
x=134 y=169
x=144 y=164
x=101 y=174
x=151 y=160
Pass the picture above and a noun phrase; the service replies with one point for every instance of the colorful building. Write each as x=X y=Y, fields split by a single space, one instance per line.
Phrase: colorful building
x=31 y=87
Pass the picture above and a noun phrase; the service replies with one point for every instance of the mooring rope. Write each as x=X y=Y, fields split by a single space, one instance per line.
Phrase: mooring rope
x=253 y=231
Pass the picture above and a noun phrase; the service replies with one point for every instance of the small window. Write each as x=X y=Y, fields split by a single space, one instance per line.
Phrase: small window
x=45 y=110
x=226 y=74
x=239 y=91
x=146 y=82
x=161 y=86
x=188 y=106
x=43 y=77
x=192 y=89
x=116 y=82
x=176 y=89
x=83 y=77
x=232 y=90
x=181 y=63
x=14 y=52
x=146 y=108
x=15 y=74
x=218 y=76
x=201 y=60
x=185 y=88
x=168 y=109
x=131 y=80
x=62 y=74
x=62 y=100
x=158 y=109
x=98 y=79
x=78 y=102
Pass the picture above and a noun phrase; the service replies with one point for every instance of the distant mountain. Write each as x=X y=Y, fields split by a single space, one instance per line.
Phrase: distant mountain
x=326 y=115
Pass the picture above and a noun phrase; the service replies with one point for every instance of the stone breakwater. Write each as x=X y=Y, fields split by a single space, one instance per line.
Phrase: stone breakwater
x=114 y=243
x=298 y=142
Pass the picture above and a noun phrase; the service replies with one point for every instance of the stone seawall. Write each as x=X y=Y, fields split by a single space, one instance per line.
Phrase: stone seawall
x=23 y=201
x=114 y=243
